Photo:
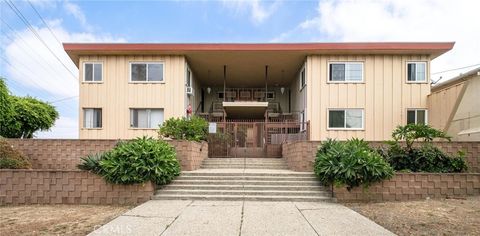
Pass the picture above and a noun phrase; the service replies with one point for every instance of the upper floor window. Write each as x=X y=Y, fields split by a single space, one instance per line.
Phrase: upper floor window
x=416 y=116
x=345 y=119
x=146 y=118
x=146 y=72
x=303 y=79
x=416 y=72
x=92 y=118
x=189 y=78
x=345 y=72
x=92 y=72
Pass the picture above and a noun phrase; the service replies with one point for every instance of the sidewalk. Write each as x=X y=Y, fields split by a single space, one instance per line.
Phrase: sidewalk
x=172 y=217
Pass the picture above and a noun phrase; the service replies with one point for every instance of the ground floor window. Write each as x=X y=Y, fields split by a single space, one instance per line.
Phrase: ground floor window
x=345 y=118
x=146 y=118
x=416 y=116
x=92 y=118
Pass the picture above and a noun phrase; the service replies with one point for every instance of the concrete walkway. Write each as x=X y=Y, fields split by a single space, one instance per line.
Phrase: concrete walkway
x=172 y=217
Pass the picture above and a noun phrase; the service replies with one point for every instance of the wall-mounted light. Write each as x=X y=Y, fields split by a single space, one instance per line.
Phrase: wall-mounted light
x=282 y=90
x=209 y=90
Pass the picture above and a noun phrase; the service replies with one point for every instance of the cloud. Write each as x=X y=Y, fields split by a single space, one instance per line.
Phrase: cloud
x=78 y=14
x=33 y=65
x=258 y=11
x=65 y=127
x=426 y=20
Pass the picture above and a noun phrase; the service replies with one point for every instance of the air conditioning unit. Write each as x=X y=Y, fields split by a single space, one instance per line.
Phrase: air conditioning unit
x=189 y=90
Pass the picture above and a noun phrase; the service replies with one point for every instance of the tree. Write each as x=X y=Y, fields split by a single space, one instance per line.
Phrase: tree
x=6 y=111
x=27 y=116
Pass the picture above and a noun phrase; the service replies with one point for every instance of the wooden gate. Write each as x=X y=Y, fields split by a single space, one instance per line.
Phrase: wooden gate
x=253 y=139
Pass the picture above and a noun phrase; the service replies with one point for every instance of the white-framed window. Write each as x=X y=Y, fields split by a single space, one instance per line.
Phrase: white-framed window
x=146 y=118
x=188 y=79
x=93 y=72
x=417 y=116
x=346 y=119
x=302 y=79
x=417 y=72
x=92 y=118
x=151 y=72
x=340 y=72
x=301 y=119
x=270 y=95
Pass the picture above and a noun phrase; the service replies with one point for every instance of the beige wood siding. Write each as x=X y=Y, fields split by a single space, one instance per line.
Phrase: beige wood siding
x=442 y=103
x=116 y=95
x=384 y=94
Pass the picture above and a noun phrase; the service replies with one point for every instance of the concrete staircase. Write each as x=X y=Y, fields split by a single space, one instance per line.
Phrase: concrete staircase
x=259 y=179
x=244 y=163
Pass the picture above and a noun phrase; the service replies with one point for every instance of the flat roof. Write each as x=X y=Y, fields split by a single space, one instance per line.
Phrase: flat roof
x=433 y=49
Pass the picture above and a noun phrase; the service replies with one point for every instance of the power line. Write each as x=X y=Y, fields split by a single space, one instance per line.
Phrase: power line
x=459 y=68
x=31 y=49
x=63 y=99
x=30 y=27
x=45 y=23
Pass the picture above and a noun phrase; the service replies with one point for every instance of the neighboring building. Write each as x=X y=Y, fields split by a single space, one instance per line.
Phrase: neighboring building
x=454 y=106
x=332 y=90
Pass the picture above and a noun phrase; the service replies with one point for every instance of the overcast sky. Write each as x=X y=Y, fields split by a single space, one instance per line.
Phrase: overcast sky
x=47 y=73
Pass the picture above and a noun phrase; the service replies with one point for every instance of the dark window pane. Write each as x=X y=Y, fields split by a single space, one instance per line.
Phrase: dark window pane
x=89 y=72
x=336 y=119
x=411 y=117
x=97 y=72
x=139 y=72
x=411 y=72
x=303 y=77
x=337 y=72
x=155 y=72
x=421 y=117
x=98 y=118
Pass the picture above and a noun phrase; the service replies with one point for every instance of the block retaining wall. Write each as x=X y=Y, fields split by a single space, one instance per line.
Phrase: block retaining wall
x=414 y=186
x=55 y=178
x=300 y=155
x=65 y=154
x=67 y=187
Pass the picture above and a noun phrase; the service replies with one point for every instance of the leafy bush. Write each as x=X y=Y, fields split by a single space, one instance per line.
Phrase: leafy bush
x=136 y=161
x=11 y=158
x=193 y=129
x=91 y=163
x=352 y=163
x=425 y=158
x=413 y=132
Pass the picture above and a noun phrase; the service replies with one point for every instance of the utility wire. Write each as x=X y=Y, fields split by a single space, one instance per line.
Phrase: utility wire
x=30 y=49
x=455 y=69
x=30 y=27
x=44 y=22
x=63 y=99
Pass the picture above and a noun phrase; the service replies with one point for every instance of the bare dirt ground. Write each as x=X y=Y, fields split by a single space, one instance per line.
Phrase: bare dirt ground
x=427 y=217
x=55 y=219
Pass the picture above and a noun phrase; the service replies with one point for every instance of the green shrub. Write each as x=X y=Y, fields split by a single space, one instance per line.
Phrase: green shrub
x=426 y=157
x=193 y=129
x=135 y=161
x=352 y=163
x=91 y=163
x=11 y=158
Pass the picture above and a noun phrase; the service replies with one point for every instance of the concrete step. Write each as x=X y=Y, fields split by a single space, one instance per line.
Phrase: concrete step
x=243 y=161
x=246 y=182
x=241 y=198
x=242 y=173
x=242 y=192
x=243 y=167
x=244 y=187
x=238 y=177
